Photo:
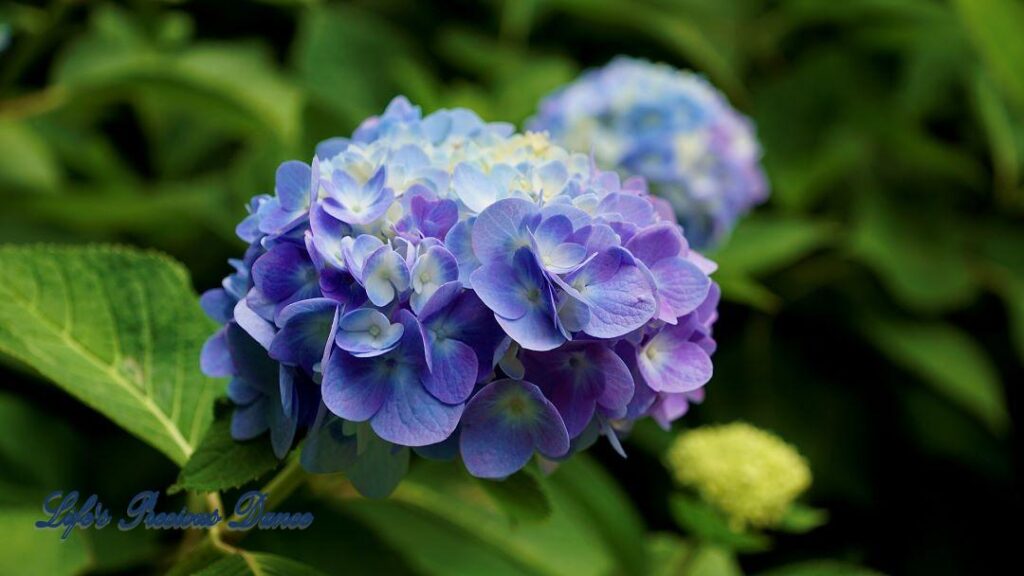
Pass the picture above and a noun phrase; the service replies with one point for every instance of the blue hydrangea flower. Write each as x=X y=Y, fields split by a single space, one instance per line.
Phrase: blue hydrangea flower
x=444 y=284
x=671 y=127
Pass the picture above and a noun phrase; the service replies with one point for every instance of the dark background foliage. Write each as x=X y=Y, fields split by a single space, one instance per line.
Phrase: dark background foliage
x=874 y=312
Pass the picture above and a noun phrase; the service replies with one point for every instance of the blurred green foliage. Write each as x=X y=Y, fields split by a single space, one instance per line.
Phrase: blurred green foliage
x=874 y=311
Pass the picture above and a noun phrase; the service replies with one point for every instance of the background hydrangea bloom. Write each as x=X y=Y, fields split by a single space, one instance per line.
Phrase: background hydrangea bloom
x=669 y=126
x=751 y=475
x=450 y=285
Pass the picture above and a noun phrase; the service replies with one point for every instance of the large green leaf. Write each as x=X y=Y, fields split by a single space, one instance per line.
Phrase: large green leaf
x=668 y=553
x=255 y=564
x=995 y=28
x=335 y=48
x=444 y=523
x=820 y=568
x=999 y=127
x=712 y=561
x=230 y=83
x=32 y=465
x=921 y=260
x=27 y=163
x=680 y=34
x=27 y=550
x=764 y=244
x=703 y=522
x=221 y=462
x=800 y=518
x=34 y=460
x=520 y=496
x=950 y=361
x=119 y=329
x=1003 y=270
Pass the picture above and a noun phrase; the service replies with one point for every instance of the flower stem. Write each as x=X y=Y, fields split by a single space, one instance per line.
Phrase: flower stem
x=278 y=489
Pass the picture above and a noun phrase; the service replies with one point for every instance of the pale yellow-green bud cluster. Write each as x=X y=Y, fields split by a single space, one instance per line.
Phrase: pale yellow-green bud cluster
x=751 y=475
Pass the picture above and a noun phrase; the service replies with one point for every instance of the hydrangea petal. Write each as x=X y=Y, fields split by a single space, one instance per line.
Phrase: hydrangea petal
x=522 y=301
x=250 y=421
x=411 y=416
x=366 y=332
x=476 y=190
x=682 y=287
x=453 y=369
x=576 y=378
x=292 y=185
x=454 y=313
x=385 y=276
x=285 y=274
x=436 y=266
x=218 y=305
x=215 y=358
x=618 y=293
x=655 y=243
x=306 y=328
x=258 y=328
x=354 y=388
x=499 y=230
x=670 y=362
x=504 y=423
x=459 y=242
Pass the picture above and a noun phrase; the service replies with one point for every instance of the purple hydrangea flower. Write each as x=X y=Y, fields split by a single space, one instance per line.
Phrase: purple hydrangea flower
x=443 y=284
x=671 y=127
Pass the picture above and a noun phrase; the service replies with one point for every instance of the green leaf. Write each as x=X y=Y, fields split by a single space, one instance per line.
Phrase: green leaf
x=221 y=462
x=1003 y=270
x=230 y=83
x=999 y=128
x=995 y=28
x=820 y=568
x=712 y=561
x=800 y=518
x=120 y=330
x=518 y=78
x=444 y=523
x=744 y=290
x=706 y=523
x=335 y=48
x=27 y=163
x=379 y=465
x=607 y=506
x=679 y=34
x=520 y=496
x=34 y=460
x=669 y=554
x=921 y=260
x=950 y=361
x=374 y=466
x=25 y=549
x=256 y=564
x=32 y=465
x=765 y=243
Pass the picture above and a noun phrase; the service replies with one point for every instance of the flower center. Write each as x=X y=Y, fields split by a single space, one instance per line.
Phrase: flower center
x=533 y=295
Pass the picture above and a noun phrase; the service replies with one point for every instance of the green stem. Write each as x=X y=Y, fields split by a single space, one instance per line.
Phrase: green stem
x=280 y=487
x=287 y=481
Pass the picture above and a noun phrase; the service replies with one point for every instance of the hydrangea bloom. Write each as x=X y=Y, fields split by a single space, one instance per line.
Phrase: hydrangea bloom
x=669 y=126
x=751 y=475
x=444 y=284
